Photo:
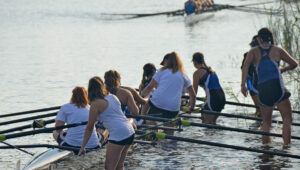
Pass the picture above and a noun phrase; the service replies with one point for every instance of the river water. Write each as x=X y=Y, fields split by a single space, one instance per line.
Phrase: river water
x=49 y=47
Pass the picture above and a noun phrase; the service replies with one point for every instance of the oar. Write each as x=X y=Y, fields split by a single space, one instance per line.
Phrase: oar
x=235 y=103
x=68 y=148
x=188 y=123
x=30 y=111
x=159 y=127
x=181 y=11
x=16 y=147
x=64 y=147
x=28 y=118
x=138 y=15
x=25 y=127
x=232 y=116
x=160 y=135
x=4 y=137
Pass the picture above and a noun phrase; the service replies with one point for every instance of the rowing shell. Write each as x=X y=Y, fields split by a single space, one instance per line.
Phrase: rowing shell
x=195 y=18
x=44 y=159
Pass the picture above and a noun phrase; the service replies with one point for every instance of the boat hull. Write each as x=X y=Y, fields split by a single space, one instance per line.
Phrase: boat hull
x=44 y=159
x=195 y=18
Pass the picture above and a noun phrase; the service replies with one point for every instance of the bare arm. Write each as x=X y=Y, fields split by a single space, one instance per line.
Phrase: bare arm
x=196 y=78
x=59 y=123
x=137 y=97
x=130 y=103
x=192 y=100
x=149 y=88
x=248 y=61
x=97 y=107
x=286 y=57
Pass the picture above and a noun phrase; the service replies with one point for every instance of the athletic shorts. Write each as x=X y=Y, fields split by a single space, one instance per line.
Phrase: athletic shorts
x=253 y=91
x=127 y=141
x=216 y=100
x=61 y=142
x=271 y=92
x=165 y=113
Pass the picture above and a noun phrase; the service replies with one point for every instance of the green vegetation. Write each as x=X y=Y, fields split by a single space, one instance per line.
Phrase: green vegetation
x=286 y=30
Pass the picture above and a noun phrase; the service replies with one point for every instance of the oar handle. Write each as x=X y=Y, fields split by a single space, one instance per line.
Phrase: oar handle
x=46 y=130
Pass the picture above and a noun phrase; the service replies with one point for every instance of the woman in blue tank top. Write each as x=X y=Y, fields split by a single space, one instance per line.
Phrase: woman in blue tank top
x=252 y=78
x=206 y=78
x=266 y=58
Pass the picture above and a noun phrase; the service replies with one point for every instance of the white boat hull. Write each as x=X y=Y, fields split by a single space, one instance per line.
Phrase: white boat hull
x=44 y=159
x=195 y=18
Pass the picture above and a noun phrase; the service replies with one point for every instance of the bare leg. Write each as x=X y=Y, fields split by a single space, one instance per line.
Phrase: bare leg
x=267 y=120
x=55 y=135
x=286 y=113
x=120 y=165
x=256 y=102
x=145 y=109
x=113 y=156
x=209 y=119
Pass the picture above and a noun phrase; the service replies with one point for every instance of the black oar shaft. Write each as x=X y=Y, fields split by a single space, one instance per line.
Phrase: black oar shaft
x=15 y=147
x=214 y=126
x=226 y=146
x=28 y=118
x=235 y=116
x=30 y=111
x=236 y=104
x=38 y=131
x=24 y=127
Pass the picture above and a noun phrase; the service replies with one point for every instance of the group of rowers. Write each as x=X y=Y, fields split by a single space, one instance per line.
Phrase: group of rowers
x=160 y=94
x=198 y=6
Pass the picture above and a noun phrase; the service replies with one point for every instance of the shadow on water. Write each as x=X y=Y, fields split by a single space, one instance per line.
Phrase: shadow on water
x=272 y=162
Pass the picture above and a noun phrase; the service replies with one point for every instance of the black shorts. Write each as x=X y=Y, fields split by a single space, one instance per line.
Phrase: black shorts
x=61 y=142
x=127 y=141
x=165 y=113
x=216 y=100
x=272 y=92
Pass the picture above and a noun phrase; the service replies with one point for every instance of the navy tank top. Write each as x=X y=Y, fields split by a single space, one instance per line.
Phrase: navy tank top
x=210 y=80
x=267 y=69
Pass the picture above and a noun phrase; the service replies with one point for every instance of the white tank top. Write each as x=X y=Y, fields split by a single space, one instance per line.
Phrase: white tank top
x=70 y=113
x=115 y=121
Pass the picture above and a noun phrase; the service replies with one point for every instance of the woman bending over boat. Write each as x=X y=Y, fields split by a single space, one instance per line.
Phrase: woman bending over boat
x=107 y=108
x=77 y=111
x=206 y=78
x=271 y=90
x=169 y=81
x=252 y=78
x=149 y=70
x=127 y=96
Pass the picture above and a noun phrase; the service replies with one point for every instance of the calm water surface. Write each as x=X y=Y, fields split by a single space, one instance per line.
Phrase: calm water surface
x=49 y=47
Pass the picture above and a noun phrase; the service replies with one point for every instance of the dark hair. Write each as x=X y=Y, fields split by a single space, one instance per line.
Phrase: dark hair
x=254 y=41
x=199 y=58
x=149 y=70
x=112 y=80
x=79 y=97
x=96 y=89
x=266 y=35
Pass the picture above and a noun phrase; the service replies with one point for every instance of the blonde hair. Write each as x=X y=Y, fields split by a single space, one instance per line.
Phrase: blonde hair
x=173 y=62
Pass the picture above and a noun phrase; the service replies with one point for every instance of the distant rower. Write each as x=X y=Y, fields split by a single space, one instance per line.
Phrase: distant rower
x=197 y=6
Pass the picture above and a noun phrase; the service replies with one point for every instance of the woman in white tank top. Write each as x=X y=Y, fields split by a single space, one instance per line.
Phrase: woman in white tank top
x=107 y=109
x=76 y=111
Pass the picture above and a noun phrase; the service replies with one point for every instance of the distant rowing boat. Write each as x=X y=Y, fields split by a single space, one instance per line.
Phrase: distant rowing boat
x=195 y=18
